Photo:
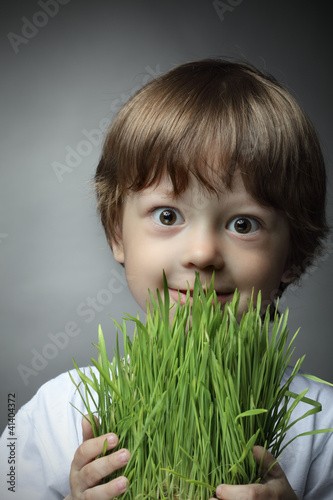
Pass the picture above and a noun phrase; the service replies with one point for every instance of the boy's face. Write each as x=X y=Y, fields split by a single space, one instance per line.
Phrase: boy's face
x=245 y=243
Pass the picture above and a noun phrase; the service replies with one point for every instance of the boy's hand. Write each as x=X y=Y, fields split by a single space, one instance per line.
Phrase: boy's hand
x=86 y=472
x=275 y=487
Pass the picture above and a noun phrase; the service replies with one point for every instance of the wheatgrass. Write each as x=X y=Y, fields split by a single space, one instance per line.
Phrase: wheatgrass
x=192 y=396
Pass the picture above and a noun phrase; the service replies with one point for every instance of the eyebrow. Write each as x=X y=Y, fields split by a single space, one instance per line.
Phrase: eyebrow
x=158 y=191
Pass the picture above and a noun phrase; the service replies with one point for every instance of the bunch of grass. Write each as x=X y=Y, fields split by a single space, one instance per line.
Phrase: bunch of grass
x=190 y=398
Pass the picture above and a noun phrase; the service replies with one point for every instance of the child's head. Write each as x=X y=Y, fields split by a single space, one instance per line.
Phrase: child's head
x=211 y=122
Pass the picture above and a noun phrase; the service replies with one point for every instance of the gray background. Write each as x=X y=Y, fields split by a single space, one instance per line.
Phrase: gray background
x=72 y=73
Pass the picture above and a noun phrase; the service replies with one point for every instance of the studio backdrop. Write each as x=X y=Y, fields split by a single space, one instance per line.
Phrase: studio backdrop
x=67 y=66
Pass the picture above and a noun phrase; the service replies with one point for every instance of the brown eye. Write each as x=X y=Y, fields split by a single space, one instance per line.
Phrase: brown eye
x=243 y=225
x=168 y=216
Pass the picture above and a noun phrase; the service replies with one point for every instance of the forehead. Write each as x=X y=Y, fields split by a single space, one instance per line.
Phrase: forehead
x=197 y=194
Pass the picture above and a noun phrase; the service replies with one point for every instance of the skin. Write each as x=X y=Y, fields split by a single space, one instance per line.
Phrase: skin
x=244 y=243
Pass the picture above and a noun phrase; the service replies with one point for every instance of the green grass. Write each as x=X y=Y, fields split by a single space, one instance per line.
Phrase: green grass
x=190 y=399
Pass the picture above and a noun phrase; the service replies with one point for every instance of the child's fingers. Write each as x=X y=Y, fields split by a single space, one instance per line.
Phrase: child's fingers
x=91 y=448
x=94 y=472
x=107 y=491
x=87 y=472
x=275 y=485
x=228 y=492
x=277 y=489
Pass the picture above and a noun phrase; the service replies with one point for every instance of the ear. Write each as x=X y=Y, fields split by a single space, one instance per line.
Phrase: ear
x=288 y=276
x=118 y=251
x=117 y=247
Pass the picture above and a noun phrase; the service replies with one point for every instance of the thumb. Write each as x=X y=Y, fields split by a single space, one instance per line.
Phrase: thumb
x=87 y=430
x=268 y=463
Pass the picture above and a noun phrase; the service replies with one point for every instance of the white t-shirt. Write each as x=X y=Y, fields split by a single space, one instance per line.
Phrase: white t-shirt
x=48 y=431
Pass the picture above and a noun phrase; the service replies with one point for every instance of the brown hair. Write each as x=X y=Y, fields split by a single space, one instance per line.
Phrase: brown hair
x=208 y=118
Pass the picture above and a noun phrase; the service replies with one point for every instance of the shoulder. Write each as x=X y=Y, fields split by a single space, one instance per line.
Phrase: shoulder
x=54 y=398
x=308 y=458
x=318 y=391
x=55 y=412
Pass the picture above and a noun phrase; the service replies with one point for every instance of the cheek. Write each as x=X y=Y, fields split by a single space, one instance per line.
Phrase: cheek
x=138 y=286
x=144 y=270
x=269 y=284
x=261 y=271
x=258 y=274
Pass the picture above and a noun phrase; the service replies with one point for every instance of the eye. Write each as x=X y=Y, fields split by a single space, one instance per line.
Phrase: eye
x=168 y=216
x=243 y=225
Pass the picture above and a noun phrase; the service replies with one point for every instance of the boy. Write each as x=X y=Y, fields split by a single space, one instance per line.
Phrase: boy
x=210 y=167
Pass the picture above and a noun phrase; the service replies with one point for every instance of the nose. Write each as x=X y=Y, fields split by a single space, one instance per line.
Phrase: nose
x=203 y=250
